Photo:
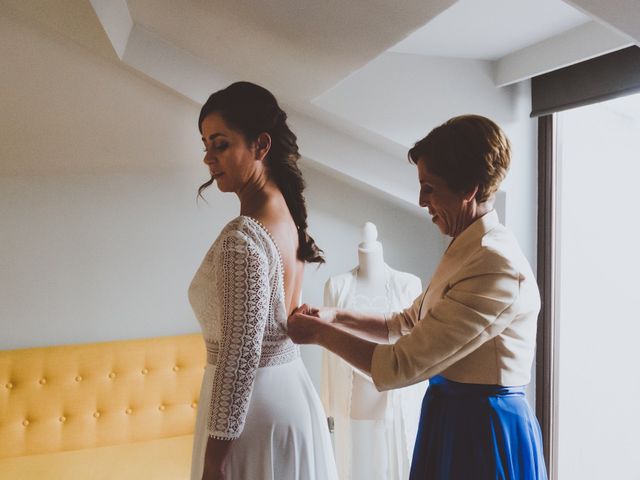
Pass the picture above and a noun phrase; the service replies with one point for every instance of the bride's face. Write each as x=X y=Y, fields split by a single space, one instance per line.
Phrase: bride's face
x=231 y=161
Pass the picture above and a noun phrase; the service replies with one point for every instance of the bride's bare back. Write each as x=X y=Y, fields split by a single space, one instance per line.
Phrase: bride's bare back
x=285 y=234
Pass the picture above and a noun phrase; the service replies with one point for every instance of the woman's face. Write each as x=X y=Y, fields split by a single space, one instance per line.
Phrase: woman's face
x=231 y=162
x=449 y=209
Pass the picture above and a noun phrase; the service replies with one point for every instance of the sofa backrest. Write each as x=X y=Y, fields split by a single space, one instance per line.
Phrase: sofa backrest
x=92 y=395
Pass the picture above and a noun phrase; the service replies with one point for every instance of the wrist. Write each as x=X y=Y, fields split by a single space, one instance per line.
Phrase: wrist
x=321 y=333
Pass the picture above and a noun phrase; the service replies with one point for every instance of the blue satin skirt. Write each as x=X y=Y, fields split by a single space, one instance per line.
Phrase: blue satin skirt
x=477 y=432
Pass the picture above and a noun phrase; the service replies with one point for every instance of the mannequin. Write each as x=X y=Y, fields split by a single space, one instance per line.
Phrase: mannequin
x=372 y=273
x=371 y=283
x=374 y=431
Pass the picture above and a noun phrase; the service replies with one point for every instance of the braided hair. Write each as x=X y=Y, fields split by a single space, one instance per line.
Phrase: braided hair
x=251 y=110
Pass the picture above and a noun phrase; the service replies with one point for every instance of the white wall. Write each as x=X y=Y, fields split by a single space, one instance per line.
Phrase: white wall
x=110 y=256
x=100 y=257
x=404 y=96
x=98 y=167
x=101 y=233
x=64 y=109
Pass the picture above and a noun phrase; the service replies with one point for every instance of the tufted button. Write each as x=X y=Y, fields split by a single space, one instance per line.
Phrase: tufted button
x=43 y=381
x=161 y=408
x=112 y=375
x=78 y=378
x=62 y=419
x=96 y=415
x=25 y=423
x=194 y=404
x=9 y=385
x=176 y=368
x=144 y=371
x=128 y=411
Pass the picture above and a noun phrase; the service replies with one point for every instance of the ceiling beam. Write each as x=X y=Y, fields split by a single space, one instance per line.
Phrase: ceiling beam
x=623 y=15
x=576 y=45
x=171 y=66
x=116 y=21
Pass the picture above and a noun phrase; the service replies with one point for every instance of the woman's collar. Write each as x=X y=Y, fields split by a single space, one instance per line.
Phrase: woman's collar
x=473 y=233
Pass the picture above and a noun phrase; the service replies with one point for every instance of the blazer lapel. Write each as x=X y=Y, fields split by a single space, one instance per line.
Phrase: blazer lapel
x=456 y=254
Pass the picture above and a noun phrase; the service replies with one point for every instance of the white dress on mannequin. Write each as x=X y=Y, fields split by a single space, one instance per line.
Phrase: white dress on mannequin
x=374 y=432
x=255 y=389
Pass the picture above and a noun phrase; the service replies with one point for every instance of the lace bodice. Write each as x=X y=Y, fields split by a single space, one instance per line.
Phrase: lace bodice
x=237 y=295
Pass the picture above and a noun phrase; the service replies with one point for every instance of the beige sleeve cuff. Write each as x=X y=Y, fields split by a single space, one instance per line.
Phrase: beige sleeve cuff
x=394 y=326
x=380 y=367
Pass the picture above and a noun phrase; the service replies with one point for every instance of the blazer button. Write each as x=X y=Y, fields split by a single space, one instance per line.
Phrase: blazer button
x=128 y=411
x=78 y=378
x=112 y=375
x=144 y=371
x=176 y=368
x=43 y=381
x=9 y=385
x=161 y=408
x=25 y=423
x=194 y=404
x=96 y=415
x=62 y=419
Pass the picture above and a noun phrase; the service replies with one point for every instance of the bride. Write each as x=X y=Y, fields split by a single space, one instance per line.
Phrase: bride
x=259 y=416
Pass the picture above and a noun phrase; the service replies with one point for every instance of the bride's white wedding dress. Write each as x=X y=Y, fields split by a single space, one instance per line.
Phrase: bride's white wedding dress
x=255 y=389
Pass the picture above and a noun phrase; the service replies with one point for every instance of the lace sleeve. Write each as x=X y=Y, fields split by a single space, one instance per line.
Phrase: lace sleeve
x=245 y=272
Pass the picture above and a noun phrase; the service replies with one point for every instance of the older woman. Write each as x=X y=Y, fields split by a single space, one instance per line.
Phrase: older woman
x=472 y=332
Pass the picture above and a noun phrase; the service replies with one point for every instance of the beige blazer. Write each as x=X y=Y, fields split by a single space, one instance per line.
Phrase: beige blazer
x=475 y=323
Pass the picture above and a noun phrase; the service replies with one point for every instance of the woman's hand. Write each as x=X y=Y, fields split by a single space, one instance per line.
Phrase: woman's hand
x=326 y=314
x=304 y=322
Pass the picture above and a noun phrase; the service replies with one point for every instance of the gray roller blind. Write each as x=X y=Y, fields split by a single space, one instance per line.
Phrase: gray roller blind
x=603 y=78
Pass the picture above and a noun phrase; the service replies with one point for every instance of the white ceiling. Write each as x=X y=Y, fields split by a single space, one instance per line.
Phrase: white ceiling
x=491 y=29
x=298 y=48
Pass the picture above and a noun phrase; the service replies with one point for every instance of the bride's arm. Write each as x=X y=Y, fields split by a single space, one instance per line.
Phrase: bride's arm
x=214 y=456
x=245 y=296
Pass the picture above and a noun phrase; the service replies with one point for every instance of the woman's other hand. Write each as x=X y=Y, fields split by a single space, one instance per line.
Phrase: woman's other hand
x=303 y=324
x=326 y=314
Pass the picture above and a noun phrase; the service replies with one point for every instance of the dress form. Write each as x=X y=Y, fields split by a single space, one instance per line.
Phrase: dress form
x=371 y=284
x=373 y=432
x=372 y=272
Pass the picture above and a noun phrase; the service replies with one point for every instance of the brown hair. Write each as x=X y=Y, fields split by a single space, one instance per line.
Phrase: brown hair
x=251 y=110
x=466 y=151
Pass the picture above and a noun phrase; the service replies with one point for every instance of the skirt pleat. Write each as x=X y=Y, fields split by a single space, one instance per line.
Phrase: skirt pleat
x=477 y=432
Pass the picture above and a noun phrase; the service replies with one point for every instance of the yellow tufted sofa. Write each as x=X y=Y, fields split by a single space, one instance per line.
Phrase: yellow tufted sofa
x=114 y=410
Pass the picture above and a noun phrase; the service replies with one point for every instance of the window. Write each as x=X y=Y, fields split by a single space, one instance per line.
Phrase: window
x=588 y=375
x=597 y=287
